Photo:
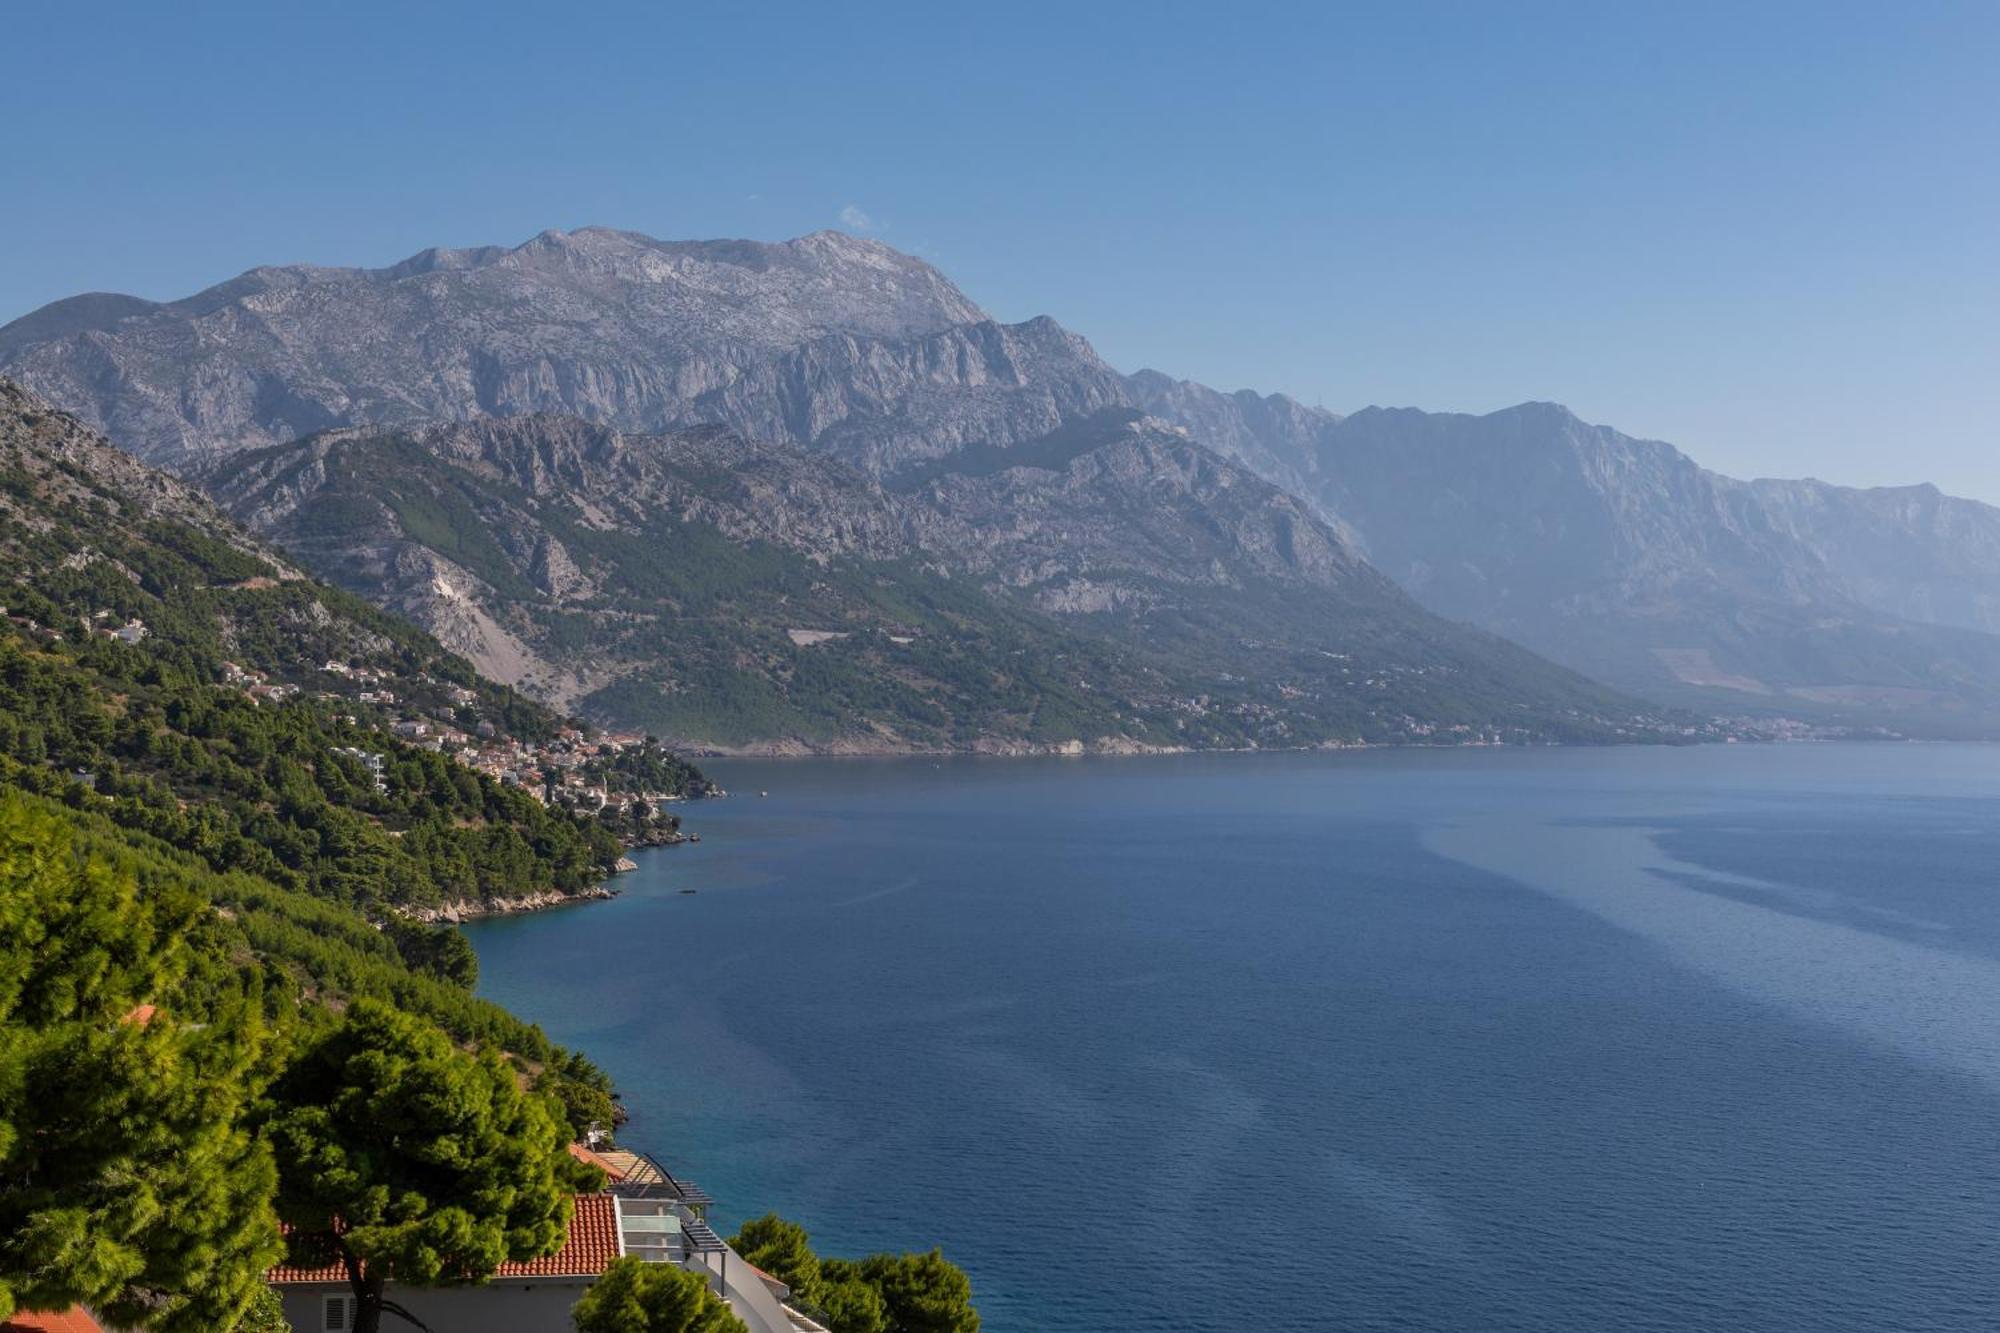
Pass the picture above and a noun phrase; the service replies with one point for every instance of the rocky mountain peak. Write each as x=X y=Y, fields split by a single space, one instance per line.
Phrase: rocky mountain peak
x=611 y=325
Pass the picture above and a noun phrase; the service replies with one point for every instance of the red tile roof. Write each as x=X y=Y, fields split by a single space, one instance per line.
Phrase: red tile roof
x=589 y=1249
x=597 y=1159
x=76 y=1319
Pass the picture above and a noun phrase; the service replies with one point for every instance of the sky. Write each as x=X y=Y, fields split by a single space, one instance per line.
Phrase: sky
x=1769 y=233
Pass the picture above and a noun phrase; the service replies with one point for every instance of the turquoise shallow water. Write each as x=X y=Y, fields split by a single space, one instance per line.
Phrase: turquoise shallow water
x=1550 y=1040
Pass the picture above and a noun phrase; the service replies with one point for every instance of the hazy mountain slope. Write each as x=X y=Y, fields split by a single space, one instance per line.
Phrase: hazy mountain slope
x=1111 y=584
x=1275 y=436
x=1908 y=551
x=1623 y=558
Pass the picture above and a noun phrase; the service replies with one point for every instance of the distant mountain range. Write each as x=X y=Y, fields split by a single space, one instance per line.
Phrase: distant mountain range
x=1111 y=585
x=1624 y=559
x=832 y=400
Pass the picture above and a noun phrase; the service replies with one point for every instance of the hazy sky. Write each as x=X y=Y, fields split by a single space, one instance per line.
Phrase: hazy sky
x=1768 y=233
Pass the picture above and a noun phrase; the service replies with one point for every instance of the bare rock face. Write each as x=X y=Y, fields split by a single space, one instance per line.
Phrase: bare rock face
x=77 y=460
x=1111 y=582
x=1116 y=502
x=608 y=325
x=1625 y=559
x=653 y=366
x=1907 y=551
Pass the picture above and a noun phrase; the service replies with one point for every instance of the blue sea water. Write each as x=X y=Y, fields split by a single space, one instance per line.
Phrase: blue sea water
x=1444 y=1040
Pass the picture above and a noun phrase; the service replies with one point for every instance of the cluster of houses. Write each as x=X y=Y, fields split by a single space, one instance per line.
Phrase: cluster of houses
x=553 y=771
x=556 y=772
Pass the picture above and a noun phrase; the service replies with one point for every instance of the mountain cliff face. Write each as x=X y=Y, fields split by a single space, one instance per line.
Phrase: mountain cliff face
x=98 y=549
x=1623 y=558
x=1110 y=585
x=1615 y=556
x=1275 y=436
x=1906 y=551
x=611 y=325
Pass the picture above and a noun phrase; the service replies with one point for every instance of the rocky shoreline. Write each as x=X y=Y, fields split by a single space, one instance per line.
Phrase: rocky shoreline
x=469 y=909
x=994 y=748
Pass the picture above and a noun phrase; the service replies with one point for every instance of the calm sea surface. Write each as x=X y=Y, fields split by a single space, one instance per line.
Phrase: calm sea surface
x=1549 y=1040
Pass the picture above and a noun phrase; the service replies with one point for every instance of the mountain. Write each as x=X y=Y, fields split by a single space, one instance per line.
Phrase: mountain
x=643 y=334
x=1906 y=551
x=1110 y=585
x=1616 y=557
x=1625 y=560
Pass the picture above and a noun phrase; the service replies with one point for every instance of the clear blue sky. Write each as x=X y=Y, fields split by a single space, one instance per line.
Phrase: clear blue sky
x=1768 y=233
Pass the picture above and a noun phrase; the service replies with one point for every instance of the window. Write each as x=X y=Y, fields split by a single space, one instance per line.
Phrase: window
x=337 y=1314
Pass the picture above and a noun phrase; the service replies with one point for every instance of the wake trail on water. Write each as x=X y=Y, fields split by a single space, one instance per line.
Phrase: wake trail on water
x=886 y=891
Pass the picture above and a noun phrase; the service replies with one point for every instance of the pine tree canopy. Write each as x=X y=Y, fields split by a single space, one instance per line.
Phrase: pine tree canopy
x=127 y=1180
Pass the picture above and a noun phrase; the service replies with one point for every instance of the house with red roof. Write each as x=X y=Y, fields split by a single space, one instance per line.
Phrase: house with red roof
x=76 y=1319
x=642 y=1211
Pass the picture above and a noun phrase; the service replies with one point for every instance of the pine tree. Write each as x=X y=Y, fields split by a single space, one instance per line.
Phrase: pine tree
x=921 y=1293
x=637 y=1297
x=784 y=1250
x=127 y=1180
x=399 y=1153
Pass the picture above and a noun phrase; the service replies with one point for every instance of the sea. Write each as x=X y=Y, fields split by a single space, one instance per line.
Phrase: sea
x=1537 y=1039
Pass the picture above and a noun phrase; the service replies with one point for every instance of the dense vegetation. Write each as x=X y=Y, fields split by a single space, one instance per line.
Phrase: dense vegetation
x=181 y=866
x=634 y=1296
x=175 y=1075
x=714 y=640
x=216 y=1008
x=265 y=788
x=398 y=1153
x=128 y=1177
x=264 y=785
x=883 y=1293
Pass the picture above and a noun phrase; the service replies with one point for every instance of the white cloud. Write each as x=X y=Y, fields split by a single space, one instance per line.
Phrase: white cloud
x=852 y=218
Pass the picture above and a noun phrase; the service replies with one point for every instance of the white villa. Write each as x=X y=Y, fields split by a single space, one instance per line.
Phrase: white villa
x=641 y=1211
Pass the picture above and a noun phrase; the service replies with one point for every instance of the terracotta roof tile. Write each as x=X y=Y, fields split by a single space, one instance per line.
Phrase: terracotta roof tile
x=288 y=1274
x=611 y=1169
x=76 y=1319
x=589 y=1249
x=592 y=1243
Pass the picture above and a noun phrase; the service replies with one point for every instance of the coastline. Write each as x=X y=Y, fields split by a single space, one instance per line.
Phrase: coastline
x=468 y=909
x=1071 y=749
x=462 y=910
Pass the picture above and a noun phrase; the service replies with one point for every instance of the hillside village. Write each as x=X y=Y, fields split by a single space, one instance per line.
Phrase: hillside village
x=621 y=777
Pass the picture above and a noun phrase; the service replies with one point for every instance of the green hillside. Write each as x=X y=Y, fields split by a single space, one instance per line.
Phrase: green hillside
x=731 y=595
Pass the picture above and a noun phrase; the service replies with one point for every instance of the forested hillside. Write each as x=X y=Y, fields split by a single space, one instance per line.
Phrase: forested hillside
x=211 y=850
x=135 y=617
x=215 y=988
x=1111 y=586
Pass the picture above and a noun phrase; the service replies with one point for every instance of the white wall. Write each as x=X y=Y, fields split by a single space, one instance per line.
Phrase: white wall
x=513 y=1306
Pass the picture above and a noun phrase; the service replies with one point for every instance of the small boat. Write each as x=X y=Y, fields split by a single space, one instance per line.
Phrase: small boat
x=763 y=793
x=690 y=890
